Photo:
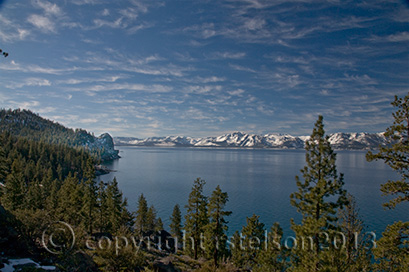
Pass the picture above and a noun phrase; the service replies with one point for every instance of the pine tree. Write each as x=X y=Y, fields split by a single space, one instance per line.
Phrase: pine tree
x=393 y=248
x=34 y=198
x=319 y=196
x=15 y=187
x=3 y=163
x=90 y=195
x=216 y=229
x=196 y=218
x=70 y=202
x=159 y=224
x=15 y=191
x=392 y=251
x=274 y=256
x=253 y=236
x=102 y=222
x=140 y=218
x=355 y=253
x=176 y=224
x=396 y=153
x=114 y=205
x=151 y=218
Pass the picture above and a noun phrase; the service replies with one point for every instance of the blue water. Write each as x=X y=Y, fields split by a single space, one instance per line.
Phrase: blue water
x=258 y=181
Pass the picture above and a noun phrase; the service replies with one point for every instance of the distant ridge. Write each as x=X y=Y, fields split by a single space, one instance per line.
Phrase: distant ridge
x=25 y=123
x=354 y=141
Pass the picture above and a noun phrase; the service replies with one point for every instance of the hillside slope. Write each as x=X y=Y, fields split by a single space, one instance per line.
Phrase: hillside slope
x=27 y=124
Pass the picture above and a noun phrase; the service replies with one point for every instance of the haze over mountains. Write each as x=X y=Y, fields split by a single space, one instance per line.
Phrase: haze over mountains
x=243 y=140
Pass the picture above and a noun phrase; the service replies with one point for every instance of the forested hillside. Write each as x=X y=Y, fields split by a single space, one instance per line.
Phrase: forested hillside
x=25 y=123
x=43 y=183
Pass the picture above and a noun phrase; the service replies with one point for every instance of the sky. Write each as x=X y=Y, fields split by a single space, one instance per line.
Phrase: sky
x=204 y=68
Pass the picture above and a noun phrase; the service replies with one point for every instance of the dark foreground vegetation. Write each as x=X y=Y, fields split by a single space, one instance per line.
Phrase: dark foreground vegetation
x=53 y=211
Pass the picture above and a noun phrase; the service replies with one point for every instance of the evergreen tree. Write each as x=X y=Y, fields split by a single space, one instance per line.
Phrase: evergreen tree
x=34 y=198
x=196 y=218
x=274 y=257
x=159 y=224
x=392 y=251
x=15 y=191
x=319 y=196
x=71 y=201
x=114 y=205
x=3 y=163
x=102 y=222
x=355 y=253
x=141 y=213
x=151 y=219
x=393 y=248
x=396 y=153
x=15 y=187
x=90 y=195
x=176 y=224
x=253 y=236
x=216 y=229
x=126 y=215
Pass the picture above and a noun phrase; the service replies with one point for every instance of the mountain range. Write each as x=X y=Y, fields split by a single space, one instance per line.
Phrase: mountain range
x=353 y=141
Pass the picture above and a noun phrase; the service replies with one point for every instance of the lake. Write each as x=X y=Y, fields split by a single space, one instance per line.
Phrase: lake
x=257 y=181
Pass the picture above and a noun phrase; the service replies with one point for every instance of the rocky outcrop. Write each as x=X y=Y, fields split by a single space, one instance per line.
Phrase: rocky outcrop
x=103 y=146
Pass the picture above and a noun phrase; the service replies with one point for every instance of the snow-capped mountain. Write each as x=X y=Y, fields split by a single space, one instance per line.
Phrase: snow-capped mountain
x=239 y=139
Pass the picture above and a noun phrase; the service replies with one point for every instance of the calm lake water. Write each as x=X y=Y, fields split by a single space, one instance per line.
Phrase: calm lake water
x=258 y=181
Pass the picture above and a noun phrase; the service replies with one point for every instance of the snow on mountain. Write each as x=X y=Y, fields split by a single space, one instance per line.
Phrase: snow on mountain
x=357 y=140
x=273 y=140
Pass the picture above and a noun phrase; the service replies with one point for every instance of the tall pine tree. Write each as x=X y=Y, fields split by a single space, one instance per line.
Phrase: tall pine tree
x=319 y=195
x=392 y=252
x=396 y=153
x=176 y=224
x=196 y=218
x=140 y=215
x=216 y=229
x=90 y=195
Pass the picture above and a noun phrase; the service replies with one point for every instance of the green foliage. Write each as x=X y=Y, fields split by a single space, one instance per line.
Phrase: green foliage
x=28 y=125
x=15 y=191
x=141 y=213
x=274 y=257
x=151 y=218
x=196 y=219
x=392 y=249
x=176 y=223
x=354 y=252
x=119 y=255
x=90 y=195
x=319 y=196
x=392 y=252
x=159 y=224
x=396 y=154
x=249 y=243
x=215 y=230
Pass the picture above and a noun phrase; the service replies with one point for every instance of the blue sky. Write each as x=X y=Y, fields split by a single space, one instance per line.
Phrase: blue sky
x=205 y=68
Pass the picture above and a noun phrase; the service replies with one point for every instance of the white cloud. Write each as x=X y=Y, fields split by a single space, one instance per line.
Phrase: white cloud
x=118 y=23
x=254 y=24
x=155 y=88
x=237 y=92
x=30 y=68
x=30 y=82
x=399 y=37
x=41 y=22
x=49 y=8
x=105 y=12
x=228 y=55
